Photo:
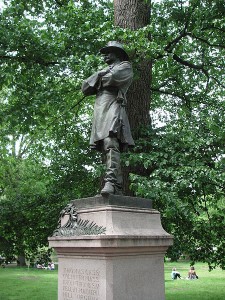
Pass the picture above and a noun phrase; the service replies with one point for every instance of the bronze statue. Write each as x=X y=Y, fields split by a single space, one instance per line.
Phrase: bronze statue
x=110 y=129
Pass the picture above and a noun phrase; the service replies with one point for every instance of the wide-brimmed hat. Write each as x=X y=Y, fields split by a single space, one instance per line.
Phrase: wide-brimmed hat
x=114 y=46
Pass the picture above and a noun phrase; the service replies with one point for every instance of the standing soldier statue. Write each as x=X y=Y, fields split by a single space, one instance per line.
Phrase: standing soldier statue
x=110 y=128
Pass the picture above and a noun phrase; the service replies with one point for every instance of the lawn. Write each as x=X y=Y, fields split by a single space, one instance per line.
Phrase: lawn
x=209 y=286
x=23 y=284
x=34 y=284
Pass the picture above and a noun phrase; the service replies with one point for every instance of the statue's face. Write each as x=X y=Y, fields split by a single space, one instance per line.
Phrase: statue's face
x=110 y=58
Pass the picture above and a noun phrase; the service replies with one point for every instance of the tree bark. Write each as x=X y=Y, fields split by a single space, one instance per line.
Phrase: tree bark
x=21 y=261
x=135 y=14
x=132 y=14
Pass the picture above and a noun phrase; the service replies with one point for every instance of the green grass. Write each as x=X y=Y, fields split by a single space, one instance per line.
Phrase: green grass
x=33 y=284
x=23 y=284
x=209 y=286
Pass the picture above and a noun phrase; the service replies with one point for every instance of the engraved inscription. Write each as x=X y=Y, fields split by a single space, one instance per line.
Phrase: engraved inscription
x=81 y=284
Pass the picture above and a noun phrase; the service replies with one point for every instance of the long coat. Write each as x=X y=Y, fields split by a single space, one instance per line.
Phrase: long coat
x=110 y=118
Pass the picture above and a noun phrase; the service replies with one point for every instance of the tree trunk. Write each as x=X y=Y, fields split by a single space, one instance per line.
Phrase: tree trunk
x=21 y=261
x=132 y=14
x=135 y=14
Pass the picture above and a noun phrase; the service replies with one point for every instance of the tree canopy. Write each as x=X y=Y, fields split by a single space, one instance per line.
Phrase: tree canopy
x=47 y=49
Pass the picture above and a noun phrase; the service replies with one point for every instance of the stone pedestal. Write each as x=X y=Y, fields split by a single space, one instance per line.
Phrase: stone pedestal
x=120 y=254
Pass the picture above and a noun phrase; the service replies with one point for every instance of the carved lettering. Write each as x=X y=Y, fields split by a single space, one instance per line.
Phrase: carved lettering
x=81 y=284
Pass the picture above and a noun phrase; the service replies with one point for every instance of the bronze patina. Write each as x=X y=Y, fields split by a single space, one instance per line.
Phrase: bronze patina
x=75 y=225
x=110 y=128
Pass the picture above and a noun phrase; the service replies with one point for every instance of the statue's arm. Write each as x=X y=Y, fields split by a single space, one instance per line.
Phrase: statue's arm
x=90 y=85
x=118 y=76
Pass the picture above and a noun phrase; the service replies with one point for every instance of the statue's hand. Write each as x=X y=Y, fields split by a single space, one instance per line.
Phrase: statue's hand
x=102 y=73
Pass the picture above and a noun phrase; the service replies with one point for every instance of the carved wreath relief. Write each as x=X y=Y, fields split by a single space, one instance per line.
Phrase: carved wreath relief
x=75 y=226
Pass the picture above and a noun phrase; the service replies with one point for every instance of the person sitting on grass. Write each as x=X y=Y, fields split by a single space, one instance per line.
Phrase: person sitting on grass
x=175 y=274
x=192 y=274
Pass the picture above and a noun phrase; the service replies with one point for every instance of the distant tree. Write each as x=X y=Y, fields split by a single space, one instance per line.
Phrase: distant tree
x=44 y=156
x=179 y=164
x=183 y=150
x=177 y=51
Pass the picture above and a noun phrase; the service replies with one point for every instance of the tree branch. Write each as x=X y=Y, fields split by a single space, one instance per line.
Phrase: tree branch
x=213 y=27
x=26 y=60
x=187 y=63
x=182 y=34
x=196 y=67
x=175 y=41
x=206 y=41
x=157 y=90
x=64 y=112
x=61 y=3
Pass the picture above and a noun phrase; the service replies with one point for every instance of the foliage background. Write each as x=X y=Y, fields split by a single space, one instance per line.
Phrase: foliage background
x=47 y=49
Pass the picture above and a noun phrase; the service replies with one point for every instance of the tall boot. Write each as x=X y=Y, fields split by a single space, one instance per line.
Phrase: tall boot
x=113 y=175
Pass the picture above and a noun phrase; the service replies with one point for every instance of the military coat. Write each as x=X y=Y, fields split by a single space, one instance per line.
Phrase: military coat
x=110 y=119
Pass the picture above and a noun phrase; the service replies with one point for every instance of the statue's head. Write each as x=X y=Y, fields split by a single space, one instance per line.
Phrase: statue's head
x=117 y=48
